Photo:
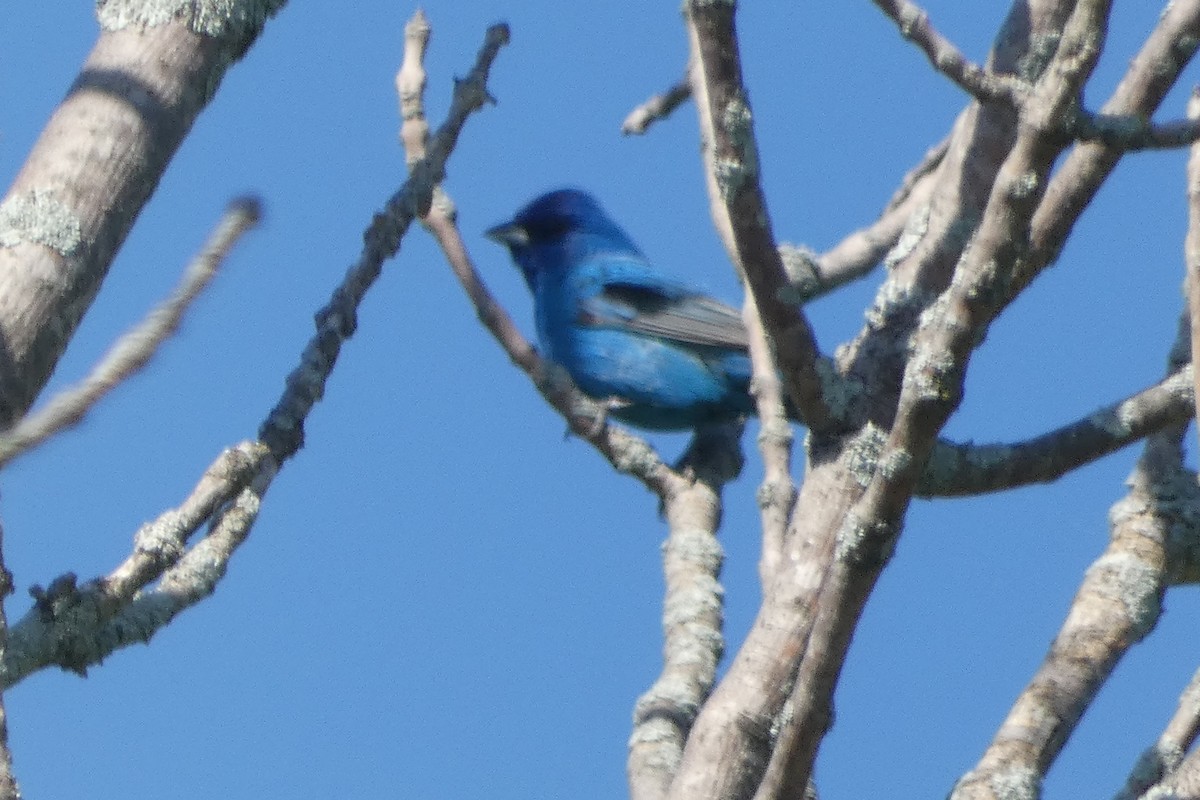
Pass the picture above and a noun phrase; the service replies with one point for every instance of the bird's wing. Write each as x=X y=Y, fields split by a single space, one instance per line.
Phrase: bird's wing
x=643 y=302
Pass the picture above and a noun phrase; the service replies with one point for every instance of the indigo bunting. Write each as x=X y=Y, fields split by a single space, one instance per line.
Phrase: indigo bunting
x=658 y=353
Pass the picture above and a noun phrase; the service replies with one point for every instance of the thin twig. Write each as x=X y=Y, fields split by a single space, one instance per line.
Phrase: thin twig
x=690 y=495
x=657 y=108
x=626 y=452
x=75 y=627
x=410 y=88
x=133 y=350
x=1151 y=74
x=858 y=254
x=777 y=493
x=984 y=85
x=283 y=430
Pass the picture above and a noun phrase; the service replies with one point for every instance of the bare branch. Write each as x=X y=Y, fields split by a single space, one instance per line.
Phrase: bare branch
x=811 y=275
x=947 y=332
x=929 y=251
x=690 y=495
x=75 y=627
x=1130 y=132
x=410 y=88
x=860 y=252
x=71 y=627
x=692 y=646
x=1166 y=755
x=730 y=744
x=1183 y=781
x=953 y=326
x=135 y=349
x=1118 y=603
x=1191 y=252
x=195 y=575
x=777 y=494
x=739 y=210
x=969 y=468
x=657 y=108
x=692 y=614
x=67 y=212
x=729 y=753
x=158 y=545
x=1184 y=726
x=981 y=83
x=1153 y=71
x=283 y=430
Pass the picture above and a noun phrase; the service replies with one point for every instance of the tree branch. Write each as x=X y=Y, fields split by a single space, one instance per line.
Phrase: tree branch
x=1164 y=757
x=777 y=493
x=1118 y=603
x=96 y=164
x=970 y=469
x=133 y=350
x=1183 y=781
x=692 y=614
x=75 y=627
x=739 y=209
x=283 y=430
x=983 y=84
x=931 y=389
x=861 y=251
x=1151 y=74
x=953 y=326
x=1130 y=132
x=658 y=107
x=1191 y=255
x=71 y=626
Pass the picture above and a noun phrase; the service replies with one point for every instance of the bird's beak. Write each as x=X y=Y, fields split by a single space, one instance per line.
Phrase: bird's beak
x=510 y=234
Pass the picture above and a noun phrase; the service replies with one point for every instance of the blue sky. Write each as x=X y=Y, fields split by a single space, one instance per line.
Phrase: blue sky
x=443 y=598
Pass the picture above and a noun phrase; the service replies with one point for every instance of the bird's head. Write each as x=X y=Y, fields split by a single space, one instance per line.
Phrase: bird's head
x=558 y=229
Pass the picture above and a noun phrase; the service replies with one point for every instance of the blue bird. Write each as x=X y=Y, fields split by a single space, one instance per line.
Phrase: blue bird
x=658 y=353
